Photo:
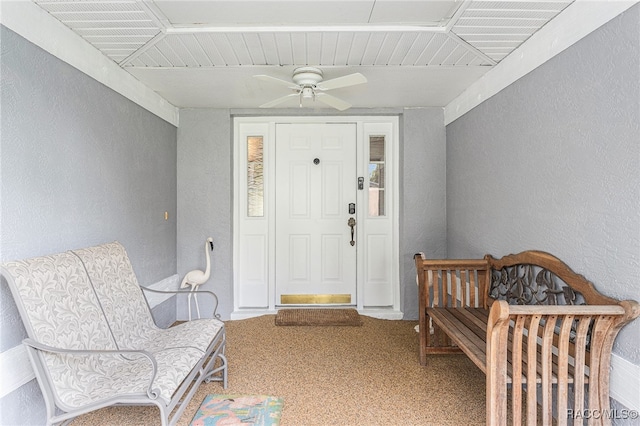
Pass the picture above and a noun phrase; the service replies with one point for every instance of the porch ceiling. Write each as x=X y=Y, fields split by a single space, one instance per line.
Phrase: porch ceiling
x=205 y=53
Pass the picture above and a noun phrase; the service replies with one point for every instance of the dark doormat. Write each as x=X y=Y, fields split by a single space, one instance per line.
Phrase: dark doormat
x=318 y=317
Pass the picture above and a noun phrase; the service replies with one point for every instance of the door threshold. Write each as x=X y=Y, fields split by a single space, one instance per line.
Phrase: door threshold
x=379 y=313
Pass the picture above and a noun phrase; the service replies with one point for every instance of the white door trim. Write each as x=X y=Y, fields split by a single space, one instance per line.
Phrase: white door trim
x=254 y=283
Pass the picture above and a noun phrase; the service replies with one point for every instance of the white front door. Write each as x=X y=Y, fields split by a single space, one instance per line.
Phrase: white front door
x=315 y=177
x=292 y=241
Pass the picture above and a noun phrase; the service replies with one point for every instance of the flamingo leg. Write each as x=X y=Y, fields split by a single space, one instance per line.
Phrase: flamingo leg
x=195 y=297
x=190 y=294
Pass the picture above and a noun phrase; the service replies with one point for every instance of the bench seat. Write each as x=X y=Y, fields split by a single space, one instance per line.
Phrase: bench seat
x=93 y=342
x=522 y=319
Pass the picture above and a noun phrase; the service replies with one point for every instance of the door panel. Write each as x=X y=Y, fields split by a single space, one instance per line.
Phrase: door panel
x=315 y=182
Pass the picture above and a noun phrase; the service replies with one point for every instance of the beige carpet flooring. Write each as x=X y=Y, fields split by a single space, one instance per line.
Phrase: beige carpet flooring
x=366 y=375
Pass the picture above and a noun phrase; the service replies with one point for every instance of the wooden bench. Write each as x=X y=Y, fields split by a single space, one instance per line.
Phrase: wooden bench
x=525 y=318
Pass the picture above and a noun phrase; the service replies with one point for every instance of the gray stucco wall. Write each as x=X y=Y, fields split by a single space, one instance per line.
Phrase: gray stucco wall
x=80 y=165
x=423 y=222
x=552 y=163
x=205 y=203
x=205 y=194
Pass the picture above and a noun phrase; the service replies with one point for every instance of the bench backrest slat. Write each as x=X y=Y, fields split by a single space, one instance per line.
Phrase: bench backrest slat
x=454 y=283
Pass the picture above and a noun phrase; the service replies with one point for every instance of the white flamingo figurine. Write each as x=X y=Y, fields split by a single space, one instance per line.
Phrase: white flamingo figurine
x=196 y=277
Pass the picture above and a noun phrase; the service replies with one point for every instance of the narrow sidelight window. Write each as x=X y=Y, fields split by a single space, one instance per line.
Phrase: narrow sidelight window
x=255 y=176
x=376 y=176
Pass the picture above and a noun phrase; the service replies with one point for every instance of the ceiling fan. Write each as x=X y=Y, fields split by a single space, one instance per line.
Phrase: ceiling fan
x=307 y=84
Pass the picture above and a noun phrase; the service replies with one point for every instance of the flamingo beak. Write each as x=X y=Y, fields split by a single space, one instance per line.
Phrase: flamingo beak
x=211 y=244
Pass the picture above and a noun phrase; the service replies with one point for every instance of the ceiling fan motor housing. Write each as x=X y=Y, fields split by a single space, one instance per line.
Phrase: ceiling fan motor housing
x=307 y=76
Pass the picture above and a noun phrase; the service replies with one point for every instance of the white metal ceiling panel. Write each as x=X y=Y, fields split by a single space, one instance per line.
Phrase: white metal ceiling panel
x=430 y=12
x=511 y=13
x=224 y=47
x=55 y=7
x=172 y=33
x=299 y=48
x=479 y=31
x=269 y=48
x=518 y=38
x=239 y=48
x=116 y=28
x=197 y=51
x=105 y=42
x=103 y=16
x=501 y=22
x=134 y=34
x=497 y=28
x=343 y=47
x=143 y=27
x=389 y=46
x=328 y=48
x=403 y=46
x=431 y=49
x=147 y=61
x=210 y=49
x=369 y=55
x=112 y=51
x=358 y=45
x=313 y=48
x=421 y=42
x=467 y=58
x=167 y=47
x=455 y=57
x=284 y=48
x=256 y=12
x=254 y=46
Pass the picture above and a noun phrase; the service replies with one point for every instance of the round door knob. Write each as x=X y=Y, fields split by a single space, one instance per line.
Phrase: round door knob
x=316 y=161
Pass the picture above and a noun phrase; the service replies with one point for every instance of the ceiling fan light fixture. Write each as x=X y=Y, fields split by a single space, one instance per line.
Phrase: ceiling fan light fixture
x=308 y=84
x=308 y=93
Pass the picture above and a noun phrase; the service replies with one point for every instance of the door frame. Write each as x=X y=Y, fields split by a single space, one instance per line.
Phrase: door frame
x=255 y=295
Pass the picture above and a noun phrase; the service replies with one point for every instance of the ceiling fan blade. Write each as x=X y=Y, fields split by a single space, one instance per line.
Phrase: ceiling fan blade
x=332 y=101
x=347 y=80
x=268 y=78
x=278 y=101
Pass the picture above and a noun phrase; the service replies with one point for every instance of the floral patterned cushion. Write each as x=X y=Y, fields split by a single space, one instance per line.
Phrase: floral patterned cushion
x=120 y=295
x=127 y=310
x=57 y=303
x=90 y=299
x=91 y=379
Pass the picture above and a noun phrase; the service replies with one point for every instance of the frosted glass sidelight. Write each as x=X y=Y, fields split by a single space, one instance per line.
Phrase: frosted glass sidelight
x=376 y=176
x=255 y=176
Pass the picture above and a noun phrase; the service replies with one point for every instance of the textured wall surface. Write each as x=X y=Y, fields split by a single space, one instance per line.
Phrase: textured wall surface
x=553 y=163
x=423 y=223
x=205 y=208
x=80 y=165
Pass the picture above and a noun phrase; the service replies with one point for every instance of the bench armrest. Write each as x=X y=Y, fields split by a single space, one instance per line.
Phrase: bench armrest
x=151 y=393
x=565 y=309
x=210 y=293
x=549 y=344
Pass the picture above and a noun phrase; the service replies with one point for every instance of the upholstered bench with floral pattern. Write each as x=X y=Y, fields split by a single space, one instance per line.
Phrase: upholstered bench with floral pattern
x=93 y=342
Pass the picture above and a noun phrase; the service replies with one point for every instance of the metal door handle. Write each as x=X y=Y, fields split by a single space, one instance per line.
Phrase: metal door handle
x=352 y=223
